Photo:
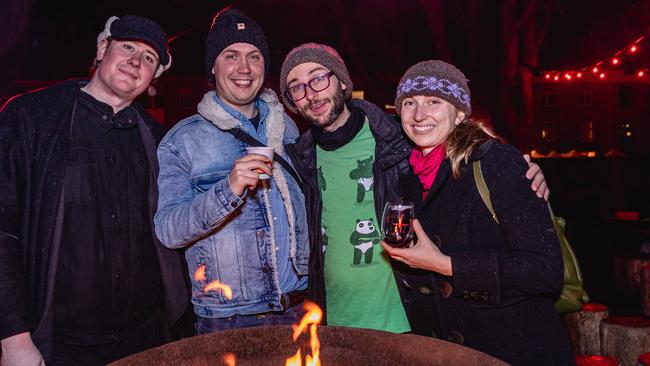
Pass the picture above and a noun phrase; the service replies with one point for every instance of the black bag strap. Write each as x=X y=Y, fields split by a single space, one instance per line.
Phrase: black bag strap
x=252 y=141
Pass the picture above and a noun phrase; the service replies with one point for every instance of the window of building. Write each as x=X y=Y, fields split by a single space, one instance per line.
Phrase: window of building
x=548 y=99
x=625 y=97
x=584 y=99
x=588 y=131
x=547 y=132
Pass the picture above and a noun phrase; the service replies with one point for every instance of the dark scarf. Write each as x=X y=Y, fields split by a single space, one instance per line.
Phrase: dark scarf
x=426 y=166
x=343 y=135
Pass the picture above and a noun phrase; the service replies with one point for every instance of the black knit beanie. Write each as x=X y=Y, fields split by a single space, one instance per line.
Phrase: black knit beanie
x=232 y=26
x=320 y=54
x=137 y=28
x=435 y=78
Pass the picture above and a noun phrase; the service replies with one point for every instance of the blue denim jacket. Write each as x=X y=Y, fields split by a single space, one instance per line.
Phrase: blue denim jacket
x=231 y=235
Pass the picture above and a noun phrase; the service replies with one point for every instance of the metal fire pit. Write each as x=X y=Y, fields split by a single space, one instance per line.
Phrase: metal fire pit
x=262 y=346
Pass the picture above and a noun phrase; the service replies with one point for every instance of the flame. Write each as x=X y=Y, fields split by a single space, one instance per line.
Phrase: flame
x=199 y=275
x=295 y=360
x=229 y=359
x=310 y=321
x=314 y=342
x=313 y=316
x=216 y=285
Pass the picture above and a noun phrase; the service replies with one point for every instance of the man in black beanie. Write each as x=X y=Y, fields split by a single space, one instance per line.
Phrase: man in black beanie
x=84 y=280
x=351 y=158
x=244 y=230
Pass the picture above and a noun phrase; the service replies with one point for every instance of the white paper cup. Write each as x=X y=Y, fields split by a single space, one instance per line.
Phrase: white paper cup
x=261 y=150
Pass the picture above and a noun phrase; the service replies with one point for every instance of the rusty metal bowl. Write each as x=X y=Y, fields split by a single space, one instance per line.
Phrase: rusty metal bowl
x=271 y=346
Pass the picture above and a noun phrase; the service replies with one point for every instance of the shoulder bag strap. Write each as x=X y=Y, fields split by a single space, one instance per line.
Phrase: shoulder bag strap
x=483 y=188
x=252 y=141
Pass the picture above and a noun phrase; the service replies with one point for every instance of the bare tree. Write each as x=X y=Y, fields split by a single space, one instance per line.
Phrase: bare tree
x=523 y=24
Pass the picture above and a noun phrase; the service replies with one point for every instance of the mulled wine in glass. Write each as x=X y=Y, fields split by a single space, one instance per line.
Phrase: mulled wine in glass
x=396 y=223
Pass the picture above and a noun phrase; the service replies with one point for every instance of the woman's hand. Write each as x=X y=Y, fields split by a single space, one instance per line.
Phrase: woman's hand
x=424 y=254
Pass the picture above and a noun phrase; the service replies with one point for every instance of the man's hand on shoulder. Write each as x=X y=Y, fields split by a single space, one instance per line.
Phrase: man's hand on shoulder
x=539 y=182
x=19 y=350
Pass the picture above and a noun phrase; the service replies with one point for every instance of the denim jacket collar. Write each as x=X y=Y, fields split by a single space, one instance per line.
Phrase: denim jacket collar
x=212 y=109
x=226 y=118
x=247 y=126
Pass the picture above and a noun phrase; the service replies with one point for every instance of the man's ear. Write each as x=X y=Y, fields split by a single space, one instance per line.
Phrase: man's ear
x=212 y=70
x=102 y=46
x=343 y=86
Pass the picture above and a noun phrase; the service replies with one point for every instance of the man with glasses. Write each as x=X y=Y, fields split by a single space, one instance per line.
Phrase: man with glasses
x=351 y=159
x=244 y=231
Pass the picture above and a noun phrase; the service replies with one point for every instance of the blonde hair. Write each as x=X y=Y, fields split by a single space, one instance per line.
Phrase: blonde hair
x=464 y=139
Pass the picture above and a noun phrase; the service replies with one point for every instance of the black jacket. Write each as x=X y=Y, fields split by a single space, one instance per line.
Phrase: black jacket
x=391 y=160
x=34 y=140
x=506 y=276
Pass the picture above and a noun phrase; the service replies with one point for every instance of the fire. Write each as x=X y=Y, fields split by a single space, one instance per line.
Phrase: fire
x=216 y=285
x=295 y=360
x=199 y=276
x=309 y=321
x=229 y=359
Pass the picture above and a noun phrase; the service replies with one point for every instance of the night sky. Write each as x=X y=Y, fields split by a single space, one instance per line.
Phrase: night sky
x=378 y=39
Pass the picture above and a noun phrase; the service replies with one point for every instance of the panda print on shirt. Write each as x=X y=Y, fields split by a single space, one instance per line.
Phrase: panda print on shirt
x=364 y=238
x=363 y=175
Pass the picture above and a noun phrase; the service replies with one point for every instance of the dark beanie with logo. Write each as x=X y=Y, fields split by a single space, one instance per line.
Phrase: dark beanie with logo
x=435 y=78
x=232 y=26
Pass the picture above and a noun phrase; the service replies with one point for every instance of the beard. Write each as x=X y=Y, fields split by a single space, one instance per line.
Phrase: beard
x=338 y=104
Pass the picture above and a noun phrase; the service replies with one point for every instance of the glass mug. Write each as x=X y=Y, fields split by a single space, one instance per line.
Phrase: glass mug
x=397 y=223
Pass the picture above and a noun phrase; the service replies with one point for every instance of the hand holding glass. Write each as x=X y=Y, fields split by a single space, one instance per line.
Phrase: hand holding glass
x=397 y=223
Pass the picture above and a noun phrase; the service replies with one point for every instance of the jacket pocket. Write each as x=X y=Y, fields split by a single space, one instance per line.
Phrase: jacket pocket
x=203 y=183
x=80 y=172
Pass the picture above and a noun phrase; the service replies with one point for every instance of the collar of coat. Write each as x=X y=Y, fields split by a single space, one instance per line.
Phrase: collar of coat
x=275 y=124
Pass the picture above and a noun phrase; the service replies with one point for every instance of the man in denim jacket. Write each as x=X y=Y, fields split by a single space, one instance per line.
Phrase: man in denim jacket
x=246 y=233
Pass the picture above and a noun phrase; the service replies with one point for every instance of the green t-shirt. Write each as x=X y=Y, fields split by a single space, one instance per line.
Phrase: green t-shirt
x=361 y=289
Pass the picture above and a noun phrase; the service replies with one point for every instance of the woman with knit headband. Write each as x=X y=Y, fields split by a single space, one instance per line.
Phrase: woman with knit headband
x=486 y=281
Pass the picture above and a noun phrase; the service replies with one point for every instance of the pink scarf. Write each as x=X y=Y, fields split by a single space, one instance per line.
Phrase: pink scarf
x=426 y=166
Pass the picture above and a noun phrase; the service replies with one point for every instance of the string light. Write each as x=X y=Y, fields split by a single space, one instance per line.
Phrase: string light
x=598 y=69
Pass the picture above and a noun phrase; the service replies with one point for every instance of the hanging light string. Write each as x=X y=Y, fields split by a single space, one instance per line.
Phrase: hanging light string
x=598 y=70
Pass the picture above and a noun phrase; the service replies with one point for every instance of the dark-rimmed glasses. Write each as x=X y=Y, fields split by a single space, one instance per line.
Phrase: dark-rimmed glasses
x=318 y=83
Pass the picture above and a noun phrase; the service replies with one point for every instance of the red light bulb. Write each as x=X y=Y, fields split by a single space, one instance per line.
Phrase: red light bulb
x=615 y=61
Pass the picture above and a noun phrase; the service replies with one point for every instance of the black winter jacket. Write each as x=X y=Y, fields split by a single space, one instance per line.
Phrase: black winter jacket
x=391 y=160
x=506 y=276
x=34 y=140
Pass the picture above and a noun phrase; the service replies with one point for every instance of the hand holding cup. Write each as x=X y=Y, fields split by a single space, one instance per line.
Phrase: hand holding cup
x=247 y=171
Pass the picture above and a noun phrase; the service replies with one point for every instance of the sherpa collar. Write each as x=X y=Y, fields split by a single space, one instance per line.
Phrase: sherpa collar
x=209 y=109
x=275 y=124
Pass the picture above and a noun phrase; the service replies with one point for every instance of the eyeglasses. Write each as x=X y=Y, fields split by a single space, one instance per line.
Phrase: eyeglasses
x=318 y=83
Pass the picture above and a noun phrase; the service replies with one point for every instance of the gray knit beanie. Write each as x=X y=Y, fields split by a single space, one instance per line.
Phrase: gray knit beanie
x=320 y=54
x=233 y=26
x=435 y=78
